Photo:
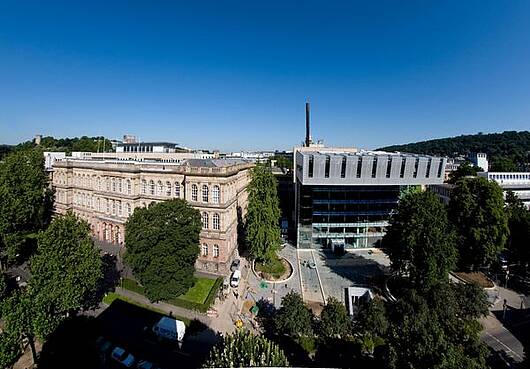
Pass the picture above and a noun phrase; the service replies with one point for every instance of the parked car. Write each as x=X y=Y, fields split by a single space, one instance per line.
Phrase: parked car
x=103 y=345
x=123 y=357
x=236 y=277
x=144 y=364
x=235 y=265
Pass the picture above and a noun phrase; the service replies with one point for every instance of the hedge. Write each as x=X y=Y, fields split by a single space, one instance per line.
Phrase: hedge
x=133 y=286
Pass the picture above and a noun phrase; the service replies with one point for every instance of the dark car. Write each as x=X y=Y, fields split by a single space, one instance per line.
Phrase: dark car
x=235 y=264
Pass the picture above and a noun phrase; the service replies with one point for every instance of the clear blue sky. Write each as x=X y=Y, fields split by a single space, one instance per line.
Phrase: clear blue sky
x=236 y=75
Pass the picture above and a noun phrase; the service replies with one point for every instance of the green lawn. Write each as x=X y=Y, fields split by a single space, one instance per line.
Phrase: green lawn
x=200 y=291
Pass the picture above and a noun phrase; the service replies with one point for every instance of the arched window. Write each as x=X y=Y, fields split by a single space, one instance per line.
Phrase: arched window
x=108 y=206
x=215 y=251
x=99 y=183
x=215 y=221
x=151 y=187
x=205 y=191
x=107 y=183
x=120 y=185
x=160 y=188
x=119 y=208
x=113 y=207
x=215 y=194
x=168 y=188
x=113 y=184
x=177 y=189
x=194 y=192
x=128 y=209
x=129 y=187
x=204 y=250
x=205 y=220
x=144 y=186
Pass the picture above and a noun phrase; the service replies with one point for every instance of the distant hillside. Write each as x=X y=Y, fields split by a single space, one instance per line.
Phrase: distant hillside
x=87 y=144
x=509 y=144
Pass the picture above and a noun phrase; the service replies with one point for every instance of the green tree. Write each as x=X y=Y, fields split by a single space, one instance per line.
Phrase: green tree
x=503 y=164
x=476 y=208
x=66 y=269
x=23 y=201
x=466 y=169
x=162 y=247
x=243 y=349
x=10 y=348
x=294 y=318
x=335 y=320
x=519 y=225
x=420 y=241
x=371 y=326
x=263 y=215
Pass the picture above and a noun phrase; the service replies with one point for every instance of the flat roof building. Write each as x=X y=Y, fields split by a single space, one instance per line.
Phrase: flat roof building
x=344 y=198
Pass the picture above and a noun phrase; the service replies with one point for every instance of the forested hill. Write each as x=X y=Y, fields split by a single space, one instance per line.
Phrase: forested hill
x=84 y=143
x=508 y=144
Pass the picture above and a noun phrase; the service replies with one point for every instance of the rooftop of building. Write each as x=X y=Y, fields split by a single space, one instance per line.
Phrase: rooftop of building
x=337 y=151
x=147 y=143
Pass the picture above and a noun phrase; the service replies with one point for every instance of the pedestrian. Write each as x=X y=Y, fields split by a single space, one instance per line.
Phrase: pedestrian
x=285 y=286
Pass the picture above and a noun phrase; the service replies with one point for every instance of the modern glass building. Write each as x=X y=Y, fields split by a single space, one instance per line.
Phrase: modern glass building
x=344 y=198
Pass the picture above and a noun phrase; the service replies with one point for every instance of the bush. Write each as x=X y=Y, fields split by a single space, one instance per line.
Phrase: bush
x=274 y=267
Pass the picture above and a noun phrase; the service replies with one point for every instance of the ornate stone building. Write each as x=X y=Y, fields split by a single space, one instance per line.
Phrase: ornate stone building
x=106 y=192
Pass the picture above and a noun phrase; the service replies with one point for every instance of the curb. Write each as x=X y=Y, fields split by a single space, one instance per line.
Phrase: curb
x=279 y=281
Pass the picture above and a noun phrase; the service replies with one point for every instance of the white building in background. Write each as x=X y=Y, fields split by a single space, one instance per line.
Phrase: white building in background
x=517 y=182
x=51 y=157
x=480 y=160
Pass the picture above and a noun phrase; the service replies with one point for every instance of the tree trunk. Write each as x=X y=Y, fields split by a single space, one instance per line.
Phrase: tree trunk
x=31 y=342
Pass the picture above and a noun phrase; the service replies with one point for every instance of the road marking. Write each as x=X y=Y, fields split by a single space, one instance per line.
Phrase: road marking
x=503 y=344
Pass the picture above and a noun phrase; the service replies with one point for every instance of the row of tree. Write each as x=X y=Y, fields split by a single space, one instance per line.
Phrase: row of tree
x=64 y=265
x=84 y=143
x=427 y=239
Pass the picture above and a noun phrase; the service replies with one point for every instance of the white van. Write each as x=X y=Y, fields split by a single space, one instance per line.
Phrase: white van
x=236 y=277
x=171 y=329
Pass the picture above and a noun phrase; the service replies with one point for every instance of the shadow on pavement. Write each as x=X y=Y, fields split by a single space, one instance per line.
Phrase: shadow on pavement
x=73 y=344
x=517 y=321
x=129 y=326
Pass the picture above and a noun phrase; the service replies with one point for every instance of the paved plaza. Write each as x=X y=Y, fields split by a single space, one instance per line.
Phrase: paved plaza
x=333 y=274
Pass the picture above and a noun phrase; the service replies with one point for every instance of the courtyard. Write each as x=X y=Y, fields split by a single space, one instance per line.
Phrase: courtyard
x=323 y=274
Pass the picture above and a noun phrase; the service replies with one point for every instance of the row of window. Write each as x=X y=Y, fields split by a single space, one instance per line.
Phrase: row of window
x=389 y=160
x=160 y=189
x=205 y=250
x=510 y=176
x=216 y=221
x=112 y=184
x=205 y=193
x=111 y=207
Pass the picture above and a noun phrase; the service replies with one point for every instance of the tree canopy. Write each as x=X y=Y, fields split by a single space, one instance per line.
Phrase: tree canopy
x=162 y=247
x=335 y=320
x=476 y=208
x=243 y=349
x=519 y=225
x=433 y=329
x=263 y=214
x=420 y=241
x=84 y=143
x=25 y=202
x=67 y=267
x=466 y=169
x=294 y=318
x=510 y=144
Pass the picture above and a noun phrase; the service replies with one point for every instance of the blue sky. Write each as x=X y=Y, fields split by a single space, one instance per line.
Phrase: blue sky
x=236 y=75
